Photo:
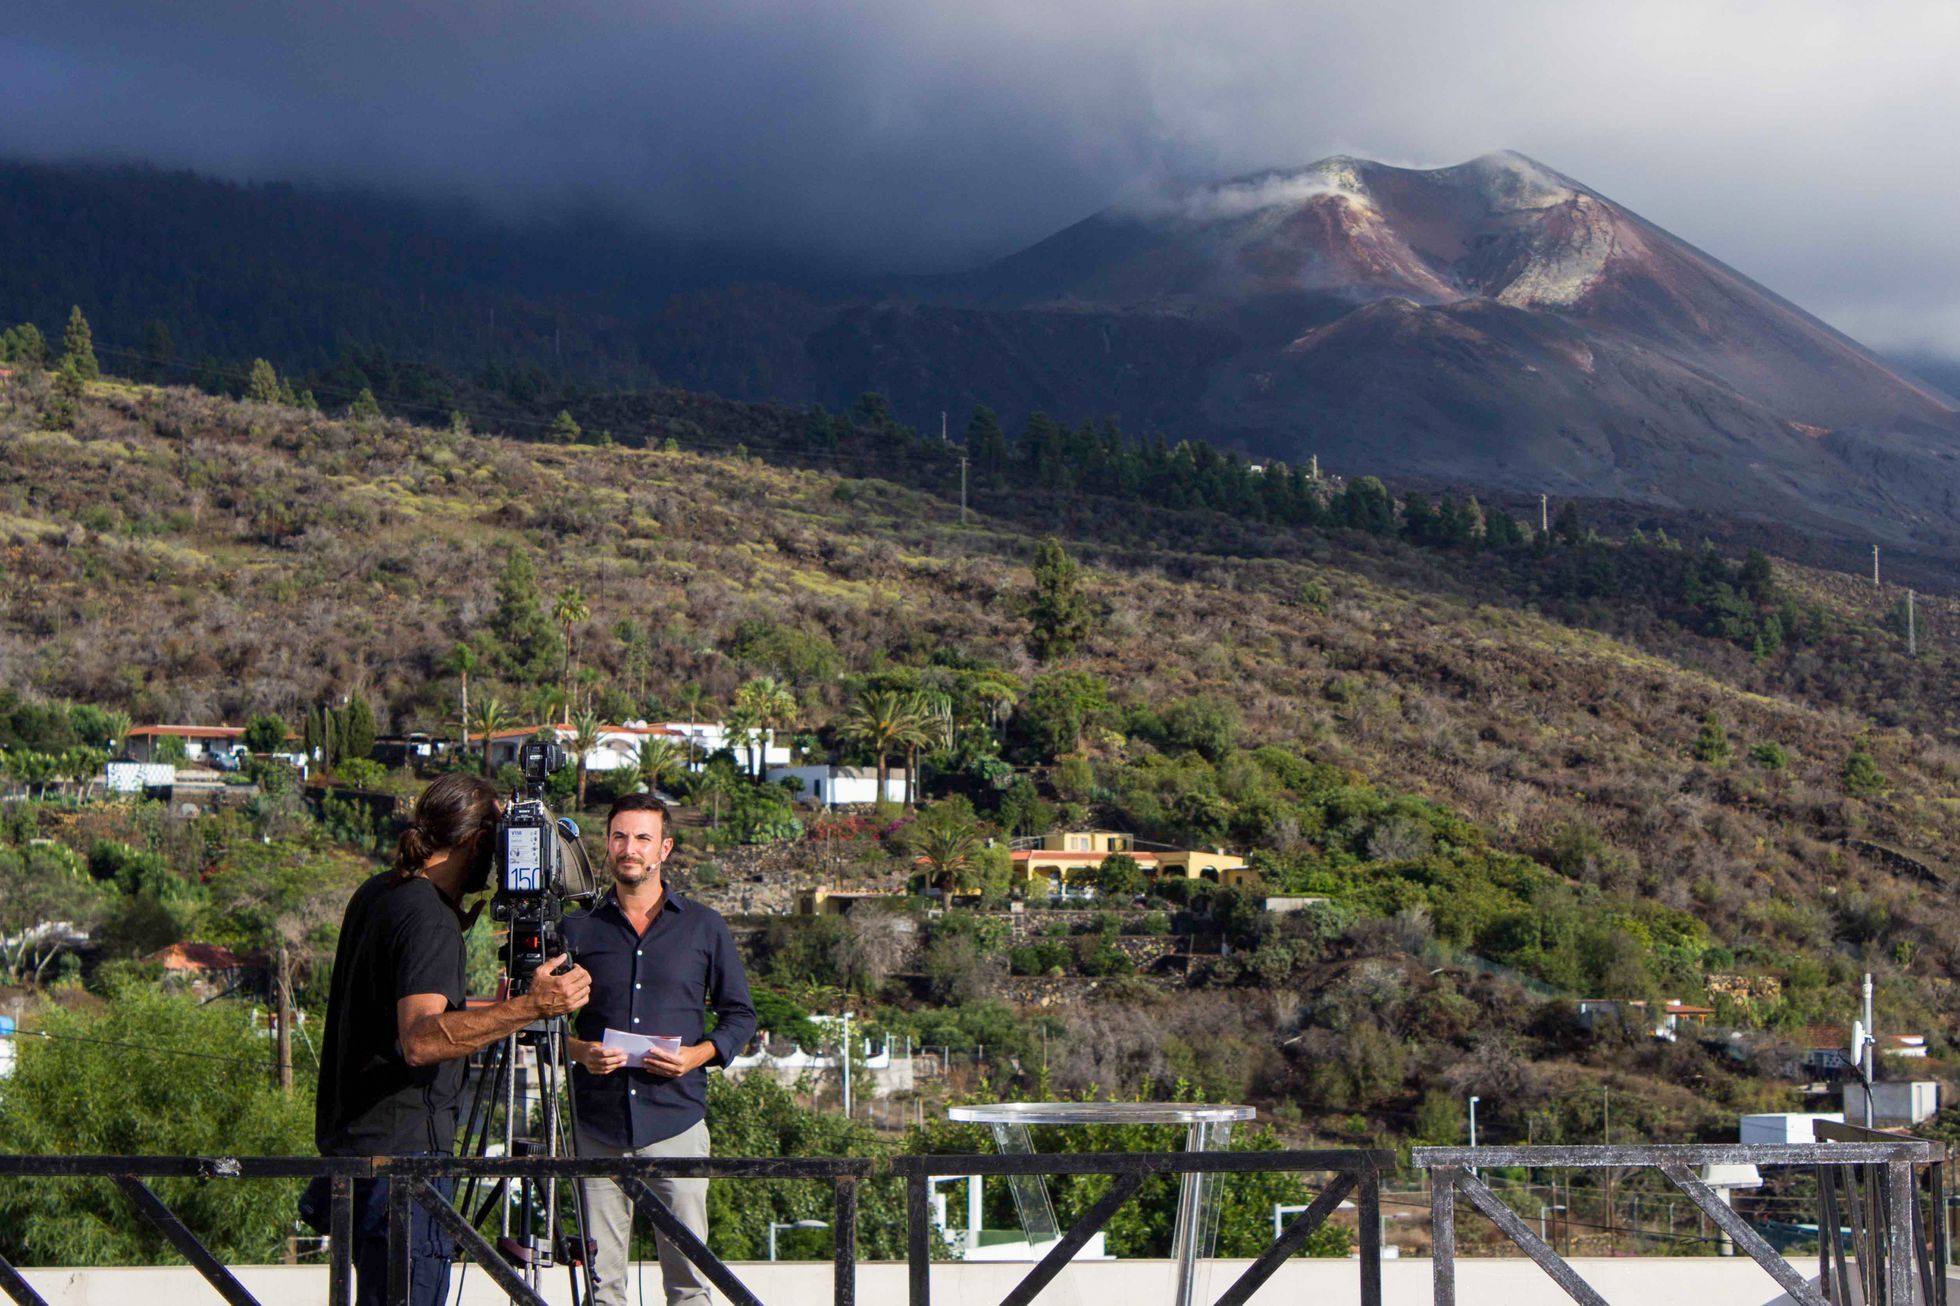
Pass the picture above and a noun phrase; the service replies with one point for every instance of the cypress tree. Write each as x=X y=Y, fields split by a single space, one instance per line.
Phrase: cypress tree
x=263 y=388
x=563 y=429
x=78 y=344
x=1058 y=611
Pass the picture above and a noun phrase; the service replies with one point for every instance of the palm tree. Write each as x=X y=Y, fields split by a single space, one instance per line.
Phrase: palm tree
x=997 y=692
x=117 y=724
x=568 y=610
x=491 y=717
x=878 y=721
x=658 y=763
x=715 y=781
x=689 y=699
x=743 y=730
x=463 y=660
x=916 y=733
x=947 y=847
x=585 y=738
x=769 y=704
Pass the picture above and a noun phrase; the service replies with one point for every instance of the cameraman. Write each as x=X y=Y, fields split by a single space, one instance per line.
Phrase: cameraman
x=391 y=1059
x=659 y=963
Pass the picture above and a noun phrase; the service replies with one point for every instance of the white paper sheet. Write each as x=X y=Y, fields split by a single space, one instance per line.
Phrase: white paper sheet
x=638 y=1045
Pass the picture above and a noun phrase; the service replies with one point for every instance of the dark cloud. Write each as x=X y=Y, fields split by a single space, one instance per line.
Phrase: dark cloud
x=1804 y=142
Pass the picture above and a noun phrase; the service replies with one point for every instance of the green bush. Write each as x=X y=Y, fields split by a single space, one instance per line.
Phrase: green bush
x=200 y=1085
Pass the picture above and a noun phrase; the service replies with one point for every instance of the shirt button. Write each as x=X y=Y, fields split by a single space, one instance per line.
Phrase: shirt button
x=632 y=1092
x=636 y=1020
x=636 y=986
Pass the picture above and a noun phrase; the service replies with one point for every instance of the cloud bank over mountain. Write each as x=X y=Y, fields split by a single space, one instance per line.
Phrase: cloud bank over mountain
x=1805 y=142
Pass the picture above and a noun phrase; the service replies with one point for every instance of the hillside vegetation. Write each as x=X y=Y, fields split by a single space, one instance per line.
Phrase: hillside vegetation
x=1629 y=767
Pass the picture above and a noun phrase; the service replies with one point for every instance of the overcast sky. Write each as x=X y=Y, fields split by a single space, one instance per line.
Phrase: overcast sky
x=1810 y=144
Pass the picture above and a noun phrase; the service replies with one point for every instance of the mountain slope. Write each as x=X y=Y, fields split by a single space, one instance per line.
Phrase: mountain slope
x=1500 y=324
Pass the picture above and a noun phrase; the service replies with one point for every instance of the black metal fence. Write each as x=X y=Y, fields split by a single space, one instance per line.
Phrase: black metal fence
x=1356 y=1172
x=1880 y=1174
x=411 y=1183
x=1877 y=1181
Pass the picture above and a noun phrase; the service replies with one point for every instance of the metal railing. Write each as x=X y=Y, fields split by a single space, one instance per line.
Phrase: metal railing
x=411 y=1185
x=1876 y=1172
x=1356 y=1172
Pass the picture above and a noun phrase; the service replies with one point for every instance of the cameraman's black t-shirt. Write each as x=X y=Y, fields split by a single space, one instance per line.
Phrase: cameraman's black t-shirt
x=399 y=937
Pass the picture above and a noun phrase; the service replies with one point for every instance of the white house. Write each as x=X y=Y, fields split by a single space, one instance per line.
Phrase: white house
x=143 y=742
x=841 y=786
x=6 y=1046
x=619 y=745
x=125 y=775
x=1785 y=1126
x=709 y=737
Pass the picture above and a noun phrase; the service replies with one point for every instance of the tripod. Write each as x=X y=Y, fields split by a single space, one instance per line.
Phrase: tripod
x=534 y=1240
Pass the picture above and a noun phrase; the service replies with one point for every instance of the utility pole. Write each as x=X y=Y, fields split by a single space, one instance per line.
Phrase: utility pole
x=1865 y=1053
x=1875 y=584
x=942 y=426
x=1315 y=463
x=962 y=489
x=1912 y=628
x=847 y=1065
x=1544 y=514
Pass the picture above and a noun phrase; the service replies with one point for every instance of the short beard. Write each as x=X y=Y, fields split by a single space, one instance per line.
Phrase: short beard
x=479 y=876
x=648 y=871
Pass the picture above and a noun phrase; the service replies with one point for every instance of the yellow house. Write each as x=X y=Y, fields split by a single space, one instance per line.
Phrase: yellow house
x=1068 y=855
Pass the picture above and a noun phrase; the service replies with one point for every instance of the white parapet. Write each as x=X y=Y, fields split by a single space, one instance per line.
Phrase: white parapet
x=1509 y=1281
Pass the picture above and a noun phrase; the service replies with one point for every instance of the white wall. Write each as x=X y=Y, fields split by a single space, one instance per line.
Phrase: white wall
x=1648 y=1281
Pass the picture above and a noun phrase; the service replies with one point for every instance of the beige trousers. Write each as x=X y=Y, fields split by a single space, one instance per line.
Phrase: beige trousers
x=609 y=1221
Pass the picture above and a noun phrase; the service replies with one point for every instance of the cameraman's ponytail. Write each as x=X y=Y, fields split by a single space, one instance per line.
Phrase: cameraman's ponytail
x=456 y=809
x=412 y=850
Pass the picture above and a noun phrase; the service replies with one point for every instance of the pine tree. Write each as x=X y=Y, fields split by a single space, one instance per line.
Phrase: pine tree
x=1712 y=744
x=563 y=429
x=1862 y=778
x=78 y=344
x=1058 y=611
x=263 y=388
x=25 y=346
x=67 y=403
x=308 y=402
x=364 y=408
x=357 y=730
x=528 y=644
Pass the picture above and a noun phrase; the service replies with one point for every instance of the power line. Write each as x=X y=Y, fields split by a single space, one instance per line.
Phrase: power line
x=138 y=1047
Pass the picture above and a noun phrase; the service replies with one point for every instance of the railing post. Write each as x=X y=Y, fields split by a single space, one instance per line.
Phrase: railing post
x=340 y=1241
x=1900 y=1277
x=1370 y=1211
x=918 y=1227
x=843 y=1223
x=399 y=1248
x=1442 y=1232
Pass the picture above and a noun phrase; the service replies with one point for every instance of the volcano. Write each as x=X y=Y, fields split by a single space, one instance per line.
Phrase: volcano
x=1495 y=323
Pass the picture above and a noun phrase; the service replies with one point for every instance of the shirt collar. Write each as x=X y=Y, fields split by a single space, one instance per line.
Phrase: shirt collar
x=669 y=901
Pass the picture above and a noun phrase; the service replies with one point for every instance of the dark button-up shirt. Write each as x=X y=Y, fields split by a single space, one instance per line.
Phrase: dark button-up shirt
x=662 y=982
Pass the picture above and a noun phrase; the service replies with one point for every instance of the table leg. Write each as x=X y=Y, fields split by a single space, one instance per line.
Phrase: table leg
x=1196 y=1231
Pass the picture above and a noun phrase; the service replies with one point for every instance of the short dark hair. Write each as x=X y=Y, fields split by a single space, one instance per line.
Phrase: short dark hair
x=642 y=802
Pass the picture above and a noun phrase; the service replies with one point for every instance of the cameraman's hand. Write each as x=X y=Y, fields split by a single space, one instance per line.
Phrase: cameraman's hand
x=560 y=995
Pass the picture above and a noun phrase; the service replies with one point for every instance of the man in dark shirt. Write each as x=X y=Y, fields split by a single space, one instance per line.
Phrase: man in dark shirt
x=658 y=963
x=397 y=1031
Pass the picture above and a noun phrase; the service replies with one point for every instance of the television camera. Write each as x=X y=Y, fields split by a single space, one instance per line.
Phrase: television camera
x=542 y=868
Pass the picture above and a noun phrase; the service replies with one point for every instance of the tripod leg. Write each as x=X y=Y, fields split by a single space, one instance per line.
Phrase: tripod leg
x=585 y=1269
x=476 y=1132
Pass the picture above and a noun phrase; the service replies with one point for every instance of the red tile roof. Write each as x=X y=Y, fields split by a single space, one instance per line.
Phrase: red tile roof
x=190 y=732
